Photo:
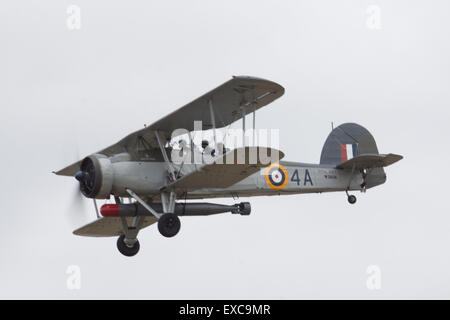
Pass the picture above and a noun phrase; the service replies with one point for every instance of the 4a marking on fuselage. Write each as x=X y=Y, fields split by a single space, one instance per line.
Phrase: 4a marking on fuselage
x=306 y=179
x=277 y=177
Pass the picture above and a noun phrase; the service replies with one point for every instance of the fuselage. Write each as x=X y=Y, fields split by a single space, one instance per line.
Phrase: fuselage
x=147 y=178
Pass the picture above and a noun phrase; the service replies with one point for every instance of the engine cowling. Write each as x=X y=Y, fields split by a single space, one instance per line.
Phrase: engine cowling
x=96 y=176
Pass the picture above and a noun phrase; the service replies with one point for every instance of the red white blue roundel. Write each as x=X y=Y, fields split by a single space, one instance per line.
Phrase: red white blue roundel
x=276 y=176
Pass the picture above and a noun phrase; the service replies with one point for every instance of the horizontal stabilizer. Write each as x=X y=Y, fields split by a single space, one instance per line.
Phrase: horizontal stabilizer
x=366 y=161
x=109 y=227
x=223 y=173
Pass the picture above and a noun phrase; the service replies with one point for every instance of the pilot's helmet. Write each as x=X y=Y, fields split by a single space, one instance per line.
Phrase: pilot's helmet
x=205 y=143
x=182 y=143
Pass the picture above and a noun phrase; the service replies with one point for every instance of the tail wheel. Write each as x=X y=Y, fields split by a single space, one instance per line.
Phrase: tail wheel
x=351 y=199
x=169 y=224
x=125 y=249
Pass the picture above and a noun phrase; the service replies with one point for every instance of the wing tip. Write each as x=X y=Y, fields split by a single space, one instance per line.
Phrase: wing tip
x=252 y=78
x=398 y=156
x=61 y=173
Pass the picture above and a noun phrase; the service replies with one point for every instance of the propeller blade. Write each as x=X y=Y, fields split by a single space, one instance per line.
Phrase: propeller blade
x=78 y=212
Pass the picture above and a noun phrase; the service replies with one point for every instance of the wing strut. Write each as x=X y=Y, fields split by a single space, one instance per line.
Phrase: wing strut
x=96 y=209
x=142 y=202
x=254 y=131
x=172 y=176
x=243 y=126
x=213 y=121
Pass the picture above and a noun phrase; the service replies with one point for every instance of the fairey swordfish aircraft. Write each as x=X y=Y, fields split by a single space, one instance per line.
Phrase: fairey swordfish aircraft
x=151 y=182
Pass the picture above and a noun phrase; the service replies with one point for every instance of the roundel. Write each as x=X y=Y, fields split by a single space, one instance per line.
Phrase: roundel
x=276 y=176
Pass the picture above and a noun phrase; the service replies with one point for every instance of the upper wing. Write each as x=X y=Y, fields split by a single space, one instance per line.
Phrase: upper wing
x=222 y=174
x=365 y=161
x=230 y=101
x=109 y=227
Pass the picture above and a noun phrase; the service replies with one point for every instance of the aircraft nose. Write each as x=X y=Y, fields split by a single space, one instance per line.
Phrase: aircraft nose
x=79 y=176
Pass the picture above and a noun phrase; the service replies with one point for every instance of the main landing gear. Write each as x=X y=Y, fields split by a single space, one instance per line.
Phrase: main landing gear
x=126 y=248
x=169 y=224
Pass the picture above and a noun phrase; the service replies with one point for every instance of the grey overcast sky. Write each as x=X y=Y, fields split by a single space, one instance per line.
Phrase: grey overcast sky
x=67 y=93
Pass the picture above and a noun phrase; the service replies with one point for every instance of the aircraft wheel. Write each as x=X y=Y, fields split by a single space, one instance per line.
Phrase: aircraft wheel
x=351 y=199
x=169 y=224
x=126 y=250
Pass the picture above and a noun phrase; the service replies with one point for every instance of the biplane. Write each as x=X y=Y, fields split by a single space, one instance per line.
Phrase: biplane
x=149 y=181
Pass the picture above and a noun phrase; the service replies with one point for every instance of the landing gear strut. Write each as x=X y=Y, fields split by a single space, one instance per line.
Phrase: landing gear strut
x=169 y=224
x=128 y=250
x=351 y=198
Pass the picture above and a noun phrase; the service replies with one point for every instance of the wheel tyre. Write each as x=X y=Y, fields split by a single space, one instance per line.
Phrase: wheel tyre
x=351 y=199
x=169 y=224
x=126 y=250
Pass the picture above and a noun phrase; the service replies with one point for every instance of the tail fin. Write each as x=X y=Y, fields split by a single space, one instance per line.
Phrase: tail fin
x=345 y=142
x=350 y=140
